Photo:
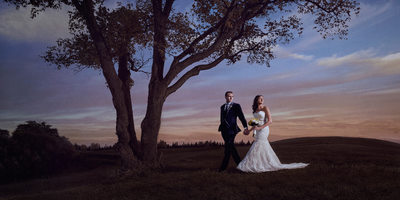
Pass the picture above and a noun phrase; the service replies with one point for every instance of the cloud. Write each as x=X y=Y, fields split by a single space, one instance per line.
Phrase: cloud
x=179 y=112
x=353 y=58
x=384 y=91
x=16 y=24
x=382 y=65
x=285 y=53
x=301 y=57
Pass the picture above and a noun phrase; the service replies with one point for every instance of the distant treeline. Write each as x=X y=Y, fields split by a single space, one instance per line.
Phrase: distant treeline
x=92 y=147
x=161 y=145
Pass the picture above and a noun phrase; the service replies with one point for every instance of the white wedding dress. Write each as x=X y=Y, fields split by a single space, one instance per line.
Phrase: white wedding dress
x=261 y=157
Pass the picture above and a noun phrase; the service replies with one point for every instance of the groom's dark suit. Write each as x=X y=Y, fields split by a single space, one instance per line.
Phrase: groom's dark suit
x=229 y=129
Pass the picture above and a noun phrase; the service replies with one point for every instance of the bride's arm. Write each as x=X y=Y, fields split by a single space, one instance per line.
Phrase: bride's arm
x=268 y=116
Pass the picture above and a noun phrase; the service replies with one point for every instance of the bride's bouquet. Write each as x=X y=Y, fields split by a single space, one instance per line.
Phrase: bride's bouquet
x=254 y=122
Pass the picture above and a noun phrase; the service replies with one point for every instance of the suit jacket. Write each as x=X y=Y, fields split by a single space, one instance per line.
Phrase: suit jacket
x=229 y=118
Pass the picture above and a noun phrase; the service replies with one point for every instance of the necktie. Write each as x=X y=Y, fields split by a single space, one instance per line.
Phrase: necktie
x=227 y=106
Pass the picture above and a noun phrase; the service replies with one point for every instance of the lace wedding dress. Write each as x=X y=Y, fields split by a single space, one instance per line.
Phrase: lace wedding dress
x=261 y=157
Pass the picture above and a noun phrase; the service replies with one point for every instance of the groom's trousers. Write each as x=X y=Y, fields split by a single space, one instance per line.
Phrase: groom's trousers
x=229 y=138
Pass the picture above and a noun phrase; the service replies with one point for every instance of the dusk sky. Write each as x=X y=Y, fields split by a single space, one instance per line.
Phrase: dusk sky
x=314 y=87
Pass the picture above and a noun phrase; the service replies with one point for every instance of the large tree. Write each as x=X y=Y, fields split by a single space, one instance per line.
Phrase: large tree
x=124 y=30
x=102 y=38
x=213 y=31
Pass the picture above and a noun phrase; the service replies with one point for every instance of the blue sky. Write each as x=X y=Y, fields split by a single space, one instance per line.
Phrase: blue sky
x=314 y=87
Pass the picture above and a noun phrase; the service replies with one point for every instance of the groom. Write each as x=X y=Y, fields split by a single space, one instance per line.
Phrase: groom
x=229 y=113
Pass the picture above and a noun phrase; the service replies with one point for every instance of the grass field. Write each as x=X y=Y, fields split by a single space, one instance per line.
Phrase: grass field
x=340 y=168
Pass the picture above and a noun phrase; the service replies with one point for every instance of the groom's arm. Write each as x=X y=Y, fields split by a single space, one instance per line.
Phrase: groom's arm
x=220 y=119
x=241 y=117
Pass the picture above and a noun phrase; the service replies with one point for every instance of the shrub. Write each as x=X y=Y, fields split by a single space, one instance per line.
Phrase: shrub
x=4 y=140
x=35 y=149
x=4 y=133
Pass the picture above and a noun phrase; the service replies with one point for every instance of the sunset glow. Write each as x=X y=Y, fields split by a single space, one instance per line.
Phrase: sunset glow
x=314 y=87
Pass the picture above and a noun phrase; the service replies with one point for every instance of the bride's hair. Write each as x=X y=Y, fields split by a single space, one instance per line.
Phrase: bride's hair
x=255 y=103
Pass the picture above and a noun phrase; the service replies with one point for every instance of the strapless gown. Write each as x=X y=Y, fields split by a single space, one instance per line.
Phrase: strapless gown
x=261 y=157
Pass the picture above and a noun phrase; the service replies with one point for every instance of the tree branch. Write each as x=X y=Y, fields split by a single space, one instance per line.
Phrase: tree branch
x=86 y=9
x=160 y=43
x=177 y=67
x=330 y=10
x=319 y=6
x=206 y=33
x=137 y=67
x=168 y=7
x=196 y=70
x=193 y=72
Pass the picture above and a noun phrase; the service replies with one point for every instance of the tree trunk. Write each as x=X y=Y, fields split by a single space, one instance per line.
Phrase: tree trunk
x=116 y=86
x=157 y=87
x=123 y=127
x=124 y=75
x=151 y=123
x=128 y=159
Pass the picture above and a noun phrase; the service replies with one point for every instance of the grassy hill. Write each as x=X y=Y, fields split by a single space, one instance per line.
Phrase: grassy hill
x=340 y=168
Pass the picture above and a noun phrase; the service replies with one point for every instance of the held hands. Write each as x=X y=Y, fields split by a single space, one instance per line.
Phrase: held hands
x=253 y=128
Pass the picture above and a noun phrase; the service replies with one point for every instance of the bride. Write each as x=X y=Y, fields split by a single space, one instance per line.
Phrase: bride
x=261 y=157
